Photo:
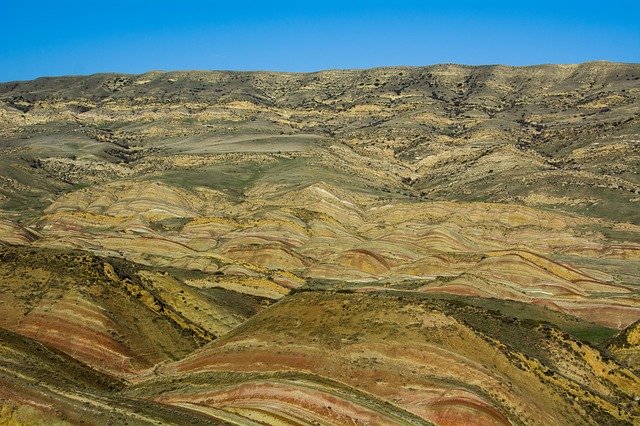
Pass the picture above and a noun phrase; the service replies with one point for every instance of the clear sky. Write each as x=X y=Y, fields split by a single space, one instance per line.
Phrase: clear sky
x=39 y=38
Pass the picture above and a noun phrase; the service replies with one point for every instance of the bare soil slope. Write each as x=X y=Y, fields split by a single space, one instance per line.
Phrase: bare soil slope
x=445 y=244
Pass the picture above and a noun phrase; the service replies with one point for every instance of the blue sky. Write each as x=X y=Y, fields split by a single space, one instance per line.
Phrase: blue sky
x=39 y=38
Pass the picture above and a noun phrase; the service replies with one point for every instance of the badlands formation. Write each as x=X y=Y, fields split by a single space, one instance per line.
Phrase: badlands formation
x=438 y=245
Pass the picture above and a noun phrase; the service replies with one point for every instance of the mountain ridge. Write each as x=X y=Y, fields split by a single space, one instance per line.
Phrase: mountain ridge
x=373 y=68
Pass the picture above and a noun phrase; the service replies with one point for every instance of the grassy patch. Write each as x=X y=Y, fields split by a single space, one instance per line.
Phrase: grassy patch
x=232 y=179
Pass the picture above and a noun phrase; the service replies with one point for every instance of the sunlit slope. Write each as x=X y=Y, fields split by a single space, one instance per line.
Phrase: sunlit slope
x=444 y=244
x=560 y=136
x=279 y=236
x=625 y=347
x=331 y=357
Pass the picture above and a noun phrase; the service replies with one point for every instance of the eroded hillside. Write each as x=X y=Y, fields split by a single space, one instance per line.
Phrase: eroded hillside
x=445 y=244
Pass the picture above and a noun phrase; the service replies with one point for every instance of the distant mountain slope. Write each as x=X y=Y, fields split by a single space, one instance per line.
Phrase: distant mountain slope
x=554 y=135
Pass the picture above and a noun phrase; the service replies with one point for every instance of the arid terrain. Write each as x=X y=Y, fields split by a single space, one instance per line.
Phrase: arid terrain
x=410 y=245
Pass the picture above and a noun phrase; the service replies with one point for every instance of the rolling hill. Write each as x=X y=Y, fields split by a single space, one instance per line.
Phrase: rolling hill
x=407 y=245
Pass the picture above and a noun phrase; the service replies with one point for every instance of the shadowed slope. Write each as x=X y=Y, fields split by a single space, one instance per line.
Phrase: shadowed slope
x=120 y=324
x=40 y=385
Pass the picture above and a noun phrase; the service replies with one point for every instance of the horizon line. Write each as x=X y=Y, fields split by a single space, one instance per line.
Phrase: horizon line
x=250 y=71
